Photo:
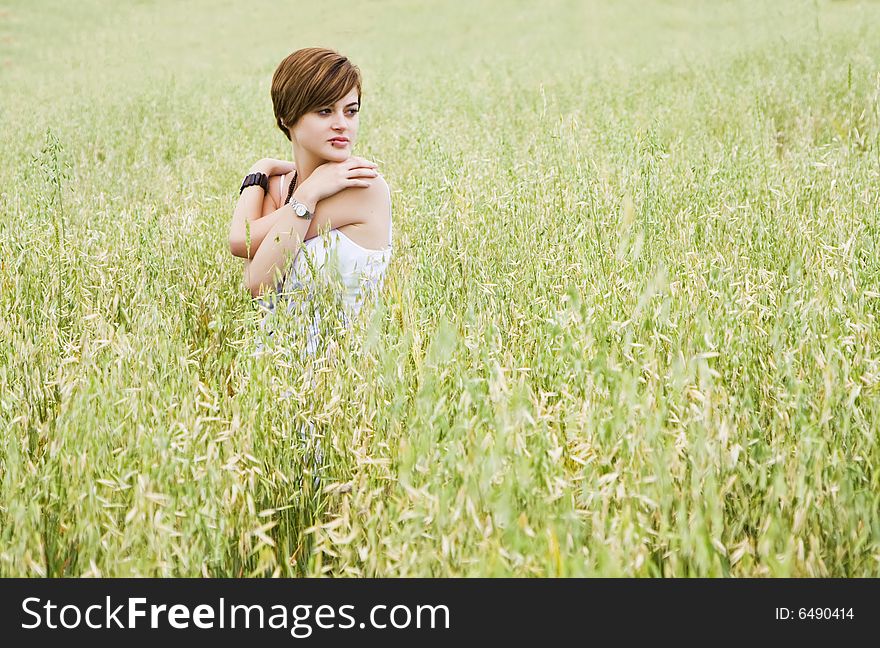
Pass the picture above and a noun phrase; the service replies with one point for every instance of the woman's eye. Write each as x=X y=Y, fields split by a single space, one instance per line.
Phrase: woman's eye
x=325 y=111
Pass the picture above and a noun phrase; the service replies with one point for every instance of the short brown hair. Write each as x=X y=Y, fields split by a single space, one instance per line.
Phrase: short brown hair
x=308 y=79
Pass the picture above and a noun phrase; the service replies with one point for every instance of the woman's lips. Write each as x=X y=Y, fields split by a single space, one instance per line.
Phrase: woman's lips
x=339 y=143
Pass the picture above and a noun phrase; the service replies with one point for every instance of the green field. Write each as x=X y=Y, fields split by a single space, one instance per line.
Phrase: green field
x=630 y=327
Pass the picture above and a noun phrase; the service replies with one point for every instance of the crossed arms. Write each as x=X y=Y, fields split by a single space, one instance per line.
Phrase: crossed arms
x=275 y=239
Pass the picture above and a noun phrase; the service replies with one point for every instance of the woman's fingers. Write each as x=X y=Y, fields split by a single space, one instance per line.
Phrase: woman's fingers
x=365 y=167
x=355 y=181
x=355 y=162
x=362 y=172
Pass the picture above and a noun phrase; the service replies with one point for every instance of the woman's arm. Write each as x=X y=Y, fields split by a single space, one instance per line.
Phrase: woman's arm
x=249 y=208
x=350 y=206
x=283 y=239
x=259 y=228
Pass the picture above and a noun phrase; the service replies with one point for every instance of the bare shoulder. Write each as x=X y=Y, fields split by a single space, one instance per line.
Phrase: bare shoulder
x=374 y=200
x=361 y=213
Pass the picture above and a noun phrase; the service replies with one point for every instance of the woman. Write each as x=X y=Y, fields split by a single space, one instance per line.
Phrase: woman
x=316 y=96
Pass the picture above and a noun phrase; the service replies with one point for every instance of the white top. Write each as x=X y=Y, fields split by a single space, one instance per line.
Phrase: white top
x=361 y=272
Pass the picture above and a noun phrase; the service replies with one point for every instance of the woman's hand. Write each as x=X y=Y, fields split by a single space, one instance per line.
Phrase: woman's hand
x=332 y=177
x=272 y=167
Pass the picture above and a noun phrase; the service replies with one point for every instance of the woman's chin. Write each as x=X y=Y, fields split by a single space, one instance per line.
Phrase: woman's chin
x=338 y=154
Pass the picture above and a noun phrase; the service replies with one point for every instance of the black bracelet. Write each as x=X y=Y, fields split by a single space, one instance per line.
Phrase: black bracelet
x=255 y=179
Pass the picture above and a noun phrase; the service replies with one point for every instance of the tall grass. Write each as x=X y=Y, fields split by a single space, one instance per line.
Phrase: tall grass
x=630 y=326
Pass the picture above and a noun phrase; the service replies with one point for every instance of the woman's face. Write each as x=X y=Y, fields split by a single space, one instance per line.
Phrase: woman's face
x=316 y=131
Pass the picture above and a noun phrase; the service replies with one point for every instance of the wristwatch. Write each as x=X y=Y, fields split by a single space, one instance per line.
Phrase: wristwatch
x=300 y=210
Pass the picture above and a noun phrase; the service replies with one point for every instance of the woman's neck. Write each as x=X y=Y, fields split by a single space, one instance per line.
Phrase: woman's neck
x=305 y=164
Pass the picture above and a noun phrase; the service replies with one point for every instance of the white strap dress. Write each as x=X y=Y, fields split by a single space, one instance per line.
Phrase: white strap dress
x=361 y=272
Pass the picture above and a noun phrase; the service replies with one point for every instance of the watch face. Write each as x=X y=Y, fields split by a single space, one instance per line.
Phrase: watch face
x=300 y=209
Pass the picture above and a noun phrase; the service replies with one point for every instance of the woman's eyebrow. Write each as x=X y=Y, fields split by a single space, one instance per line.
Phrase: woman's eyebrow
x=353 y=103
